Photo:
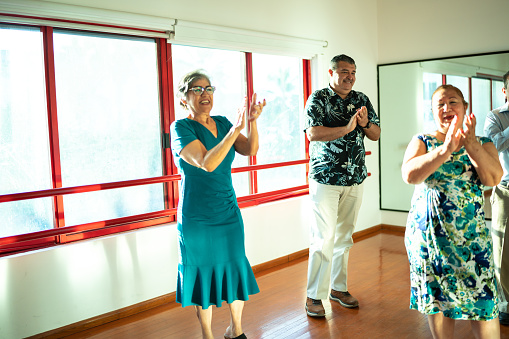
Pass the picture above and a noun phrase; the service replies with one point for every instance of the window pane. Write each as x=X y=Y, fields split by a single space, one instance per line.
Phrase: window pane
x=481 y=102
x=459 y=82
x=278 y=79
x=226 y=70
x=24 y=148
x=498 y=96
x=109 y=123
x=430 y=83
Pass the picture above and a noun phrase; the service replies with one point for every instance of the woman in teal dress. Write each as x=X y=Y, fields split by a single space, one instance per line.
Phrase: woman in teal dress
x=448 y=243
x=212 y=262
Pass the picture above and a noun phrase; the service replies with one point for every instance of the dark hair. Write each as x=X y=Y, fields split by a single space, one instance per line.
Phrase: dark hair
x=342 y=57
x=446 y=87
x=506 y=80
x=187 y=81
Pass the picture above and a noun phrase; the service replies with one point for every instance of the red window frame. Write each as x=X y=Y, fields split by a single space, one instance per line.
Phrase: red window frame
x=470 y=97
x=62 y=234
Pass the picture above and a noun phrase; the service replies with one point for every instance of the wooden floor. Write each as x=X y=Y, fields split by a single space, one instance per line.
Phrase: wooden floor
x=378 y=277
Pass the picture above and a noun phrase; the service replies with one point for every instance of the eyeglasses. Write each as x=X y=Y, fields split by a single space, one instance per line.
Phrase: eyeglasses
x=198 y=90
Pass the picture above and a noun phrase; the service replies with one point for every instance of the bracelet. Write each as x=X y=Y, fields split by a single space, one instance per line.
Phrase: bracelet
x=368 y=125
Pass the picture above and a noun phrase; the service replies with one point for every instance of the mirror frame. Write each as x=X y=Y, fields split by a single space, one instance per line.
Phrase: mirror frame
x=381 y=115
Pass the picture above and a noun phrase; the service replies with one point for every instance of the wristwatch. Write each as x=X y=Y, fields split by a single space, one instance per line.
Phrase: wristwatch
x=368 y=125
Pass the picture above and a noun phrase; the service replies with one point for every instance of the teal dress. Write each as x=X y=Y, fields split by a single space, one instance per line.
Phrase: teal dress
x=213 y=266
x=448 y=243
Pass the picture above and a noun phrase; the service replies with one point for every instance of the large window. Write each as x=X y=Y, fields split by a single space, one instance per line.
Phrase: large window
x=109 y=123
x=226 y=70
x=278 y=79
x=24 y=152
x=88 y=114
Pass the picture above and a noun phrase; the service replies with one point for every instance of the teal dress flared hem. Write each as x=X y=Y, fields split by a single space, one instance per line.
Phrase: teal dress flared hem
x=213 y=267
x=215 y=284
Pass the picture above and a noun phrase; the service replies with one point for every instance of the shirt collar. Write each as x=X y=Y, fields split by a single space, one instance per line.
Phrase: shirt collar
x=332 y=93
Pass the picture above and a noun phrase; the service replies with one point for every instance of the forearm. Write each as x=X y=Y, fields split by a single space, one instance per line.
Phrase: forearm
x=212 y=158
x=252 y=139
x=248 y=146
x=486 y=164
x=373 y=132
x=500 y=139
x=494 y=129
x=322 y=133
x=417 y=169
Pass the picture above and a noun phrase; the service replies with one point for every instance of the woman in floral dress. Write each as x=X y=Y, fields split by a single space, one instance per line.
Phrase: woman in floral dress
x=448 y=243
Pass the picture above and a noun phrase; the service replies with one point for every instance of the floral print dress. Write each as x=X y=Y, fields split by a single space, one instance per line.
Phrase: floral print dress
x=448 y=243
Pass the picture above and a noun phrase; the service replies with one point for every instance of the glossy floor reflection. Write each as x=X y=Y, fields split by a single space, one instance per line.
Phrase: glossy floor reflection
x=378 y=277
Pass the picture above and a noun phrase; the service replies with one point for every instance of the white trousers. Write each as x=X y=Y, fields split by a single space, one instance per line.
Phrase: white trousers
x=335 y=211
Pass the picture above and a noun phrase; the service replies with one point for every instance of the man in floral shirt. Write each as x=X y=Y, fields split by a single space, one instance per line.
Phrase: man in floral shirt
x=337 y=120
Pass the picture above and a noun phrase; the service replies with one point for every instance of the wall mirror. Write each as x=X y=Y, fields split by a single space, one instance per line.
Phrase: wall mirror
x=404 y=93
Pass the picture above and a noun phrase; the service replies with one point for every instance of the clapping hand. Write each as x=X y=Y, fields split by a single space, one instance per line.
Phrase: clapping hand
x=255 y=109
x=452 y=138
x=468 y=134
x=241 y=116
x=362 y=116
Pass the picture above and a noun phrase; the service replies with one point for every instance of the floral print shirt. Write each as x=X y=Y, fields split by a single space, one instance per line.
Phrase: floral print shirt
x=338 y=162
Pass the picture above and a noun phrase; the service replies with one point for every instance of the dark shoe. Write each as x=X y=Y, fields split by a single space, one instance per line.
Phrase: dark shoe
x=242 y=336
x=344 y=298
x=314 y=308
x=503 y=318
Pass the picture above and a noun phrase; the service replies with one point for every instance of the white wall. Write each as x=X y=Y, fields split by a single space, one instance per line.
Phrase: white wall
x=413 y=30
x=55 y=287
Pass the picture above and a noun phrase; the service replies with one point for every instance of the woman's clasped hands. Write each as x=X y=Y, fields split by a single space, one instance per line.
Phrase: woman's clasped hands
x=457 y=136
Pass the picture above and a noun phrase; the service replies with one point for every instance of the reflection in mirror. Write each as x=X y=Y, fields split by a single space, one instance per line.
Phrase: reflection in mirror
x=405 y=91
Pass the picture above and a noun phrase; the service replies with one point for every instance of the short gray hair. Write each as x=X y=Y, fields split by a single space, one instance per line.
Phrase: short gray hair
x=187 y=81
x=342 y=57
